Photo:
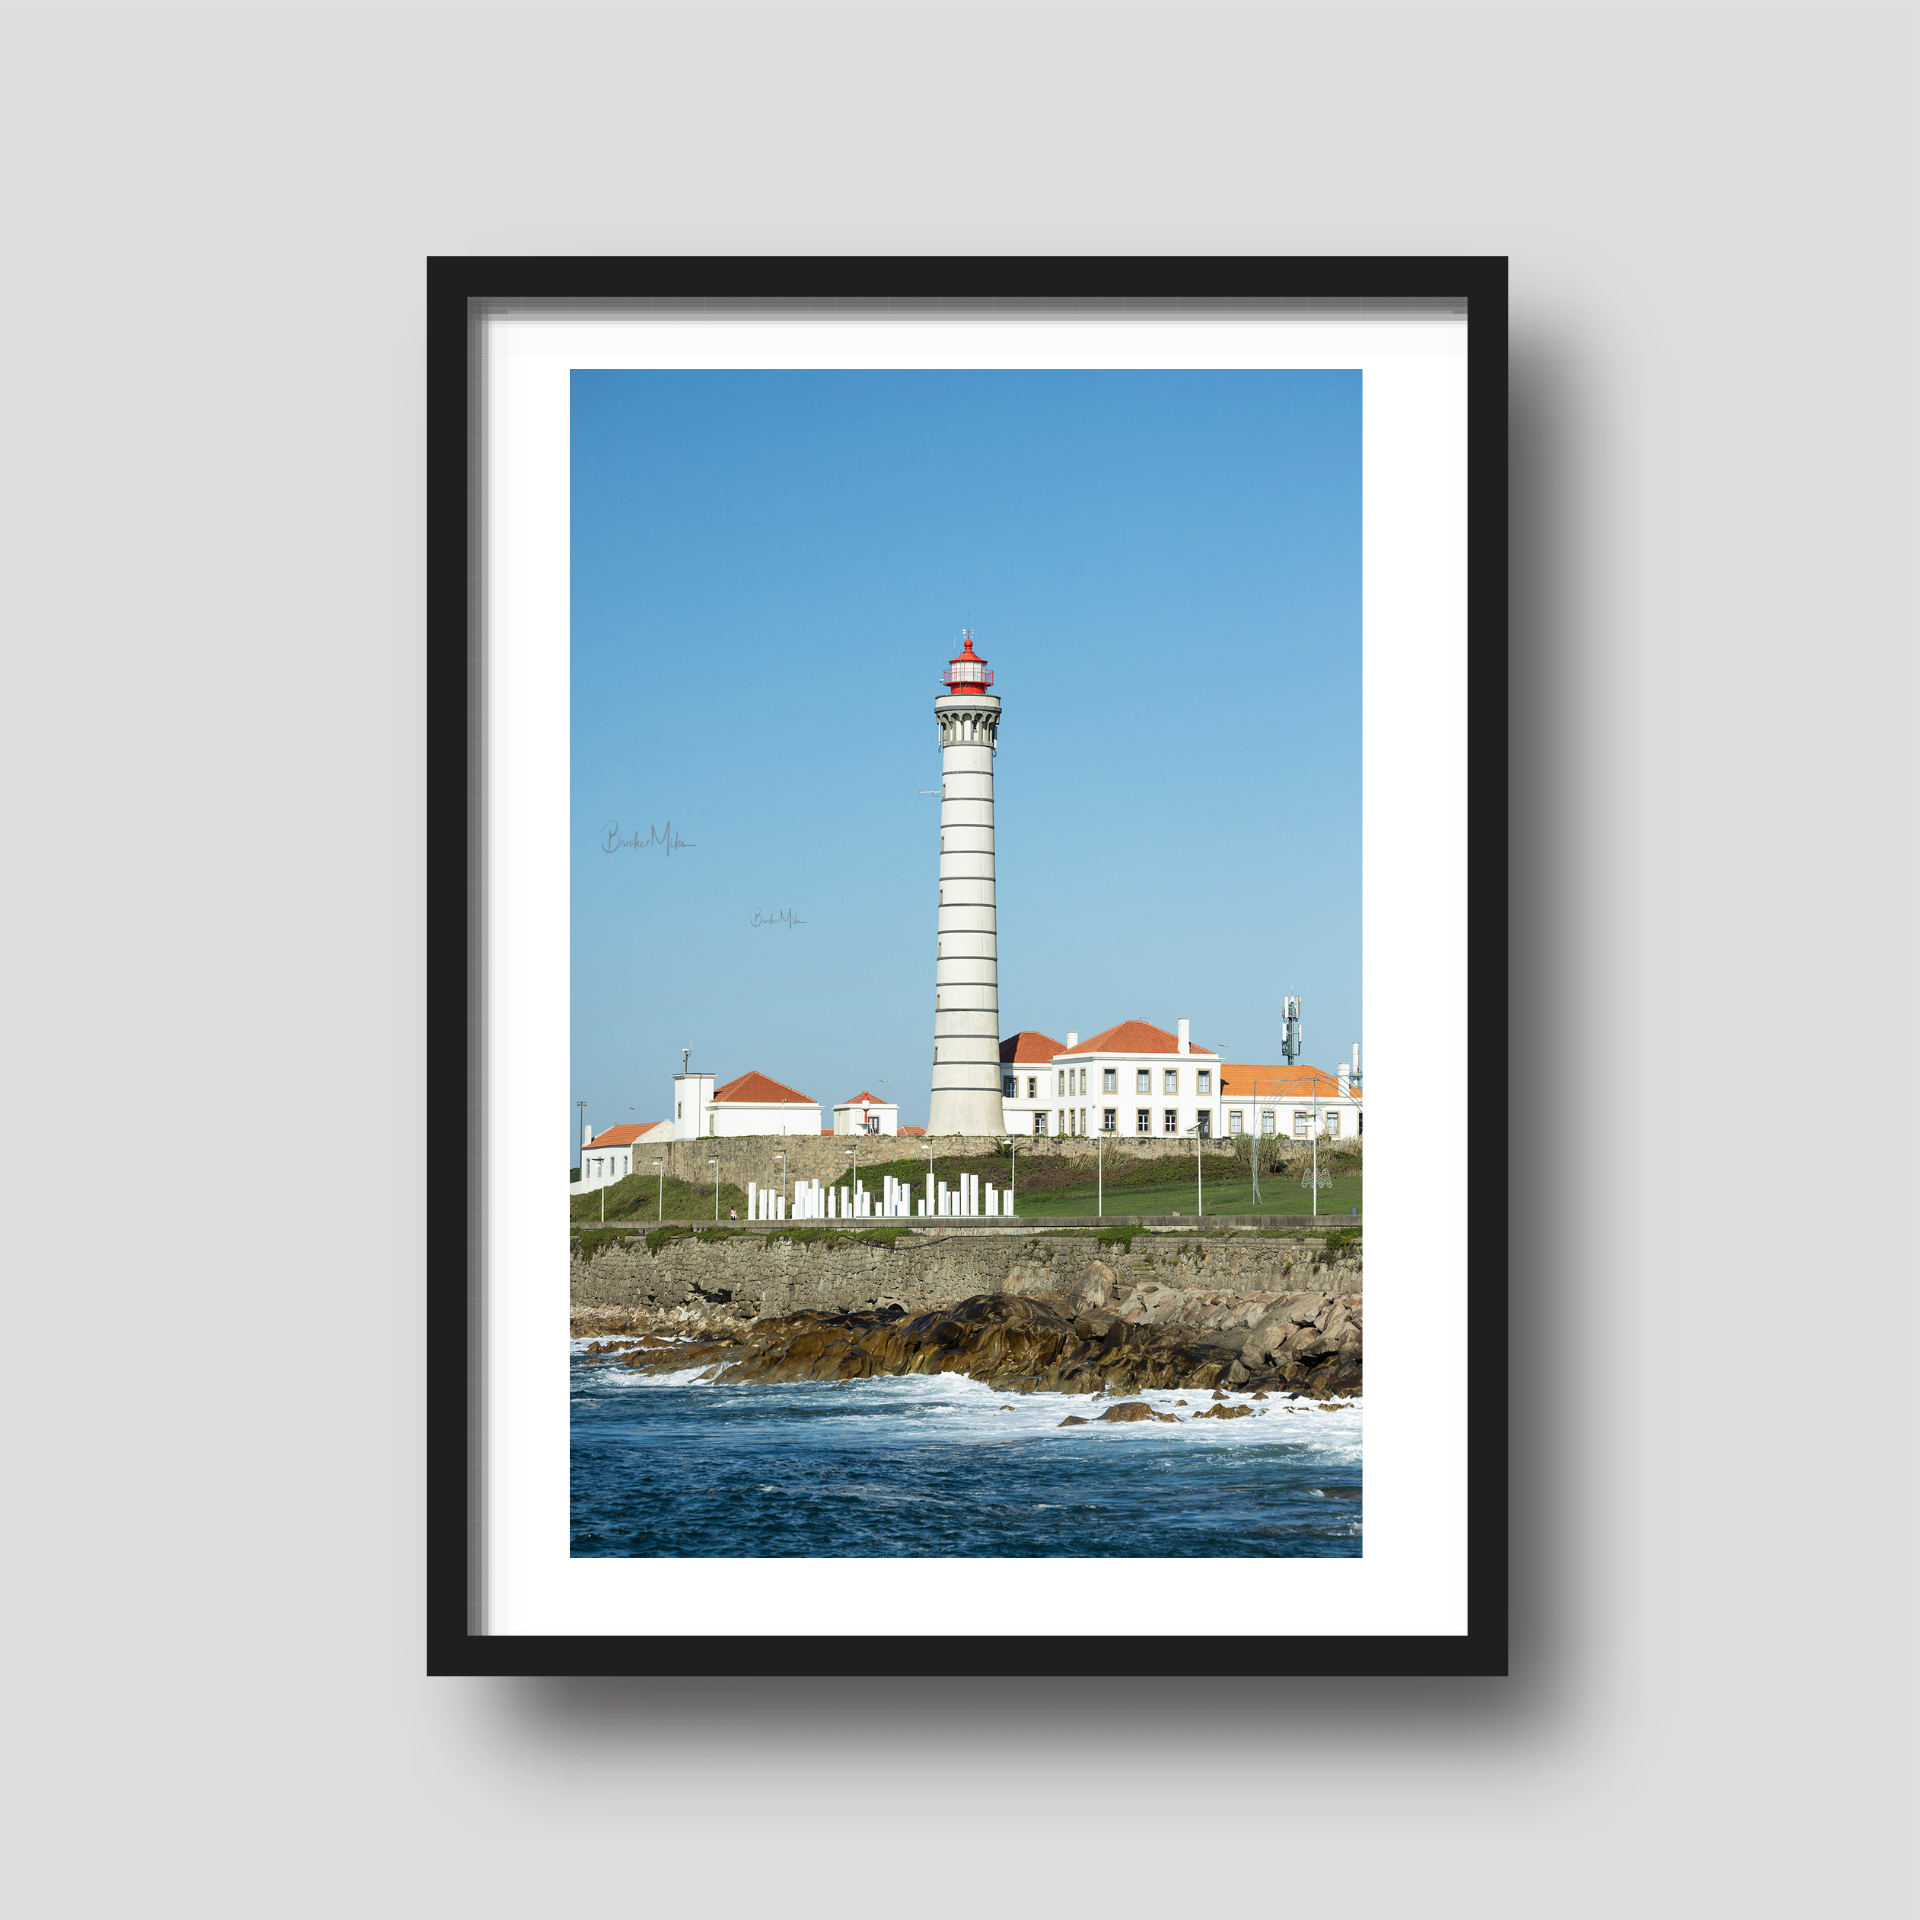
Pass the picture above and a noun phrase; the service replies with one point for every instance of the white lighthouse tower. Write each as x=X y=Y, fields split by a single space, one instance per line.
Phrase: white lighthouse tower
x=966 y=996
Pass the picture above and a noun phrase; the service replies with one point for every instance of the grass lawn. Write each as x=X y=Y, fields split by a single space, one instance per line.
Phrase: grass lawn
x=1044 y=1187
x=1278 y=1194
x=637 y=1196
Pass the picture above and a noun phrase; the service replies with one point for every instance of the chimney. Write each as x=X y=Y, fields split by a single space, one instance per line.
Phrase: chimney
x=1343 y=1079
x=586 y=1133
x=1185 y=1044
x=1073 y=1040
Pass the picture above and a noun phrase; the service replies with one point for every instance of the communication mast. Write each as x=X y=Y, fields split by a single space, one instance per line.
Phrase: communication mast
x=1290 y=1029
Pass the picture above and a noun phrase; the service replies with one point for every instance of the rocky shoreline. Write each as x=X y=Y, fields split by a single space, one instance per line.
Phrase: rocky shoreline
x=1105 y=1339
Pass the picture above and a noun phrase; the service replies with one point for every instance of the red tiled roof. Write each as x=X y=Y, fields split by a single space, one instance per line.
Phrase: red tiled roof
x=623 y=1136
x=917 y=1133
x=1136 y=1036
x=757 y=1088
x=1278 y=1083
x=872 y=1100
x=1027 y=1046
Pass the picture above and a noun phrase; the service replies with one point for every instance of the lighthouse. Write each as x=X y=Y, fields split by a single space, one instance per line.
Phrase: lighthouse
x=966 y=972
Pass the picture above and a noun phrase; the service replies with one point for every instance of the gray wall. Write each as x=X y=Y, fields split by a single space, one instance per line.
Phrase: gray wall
x=761 y=1274
x=824 y=1156
x=214 y=780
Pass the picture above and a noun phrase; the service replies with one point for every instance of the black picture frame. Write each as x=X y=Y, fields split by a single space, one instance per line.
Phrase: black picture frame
x=459 y=292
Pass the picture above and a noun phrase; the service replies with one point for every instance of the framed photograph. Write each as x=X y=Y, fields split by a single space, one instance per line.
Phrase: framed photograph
x=967 y=804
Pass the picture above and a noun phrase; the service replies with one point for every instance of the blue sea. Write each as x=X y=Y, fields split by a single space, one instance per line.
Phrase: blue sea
x=665 y=1464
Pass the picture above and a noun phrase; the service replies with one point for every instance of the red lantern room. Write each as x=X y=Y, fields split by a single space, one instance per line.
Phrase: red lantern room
x=967 y=672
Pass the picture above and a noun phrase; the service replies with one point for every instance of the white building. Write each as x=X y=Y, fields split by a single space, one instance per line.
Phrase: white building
x=966 y=961
x=1293 y=1101
x=1139 y=1079
x=749 y=1105
x=613 y=1154
x=1135 y=1078
x=1027 y=1078
x=866 y=1114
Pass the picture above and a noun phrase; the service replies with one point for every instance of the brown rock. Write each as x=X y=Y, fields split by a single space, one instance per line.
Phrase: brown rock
x=1074 y=1420
x=1129 y=1410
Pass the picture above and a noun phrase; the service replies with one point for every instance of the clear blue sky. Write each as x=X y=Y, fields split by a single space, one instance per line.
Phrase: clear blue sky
x=769 y=571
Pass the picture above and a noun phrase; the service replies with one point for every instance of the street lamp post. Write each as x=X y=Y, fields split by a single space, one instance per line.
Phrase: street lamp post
x=659 y=1167
x=1100 y=1175
x=715 y=1165
x=580 y=1152
x=853 y=1163
x=780 y=1155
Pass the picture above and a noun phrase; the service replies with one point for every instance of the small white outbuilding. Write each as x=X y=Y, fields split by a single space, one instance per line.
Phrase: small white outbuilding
x=866 y=1113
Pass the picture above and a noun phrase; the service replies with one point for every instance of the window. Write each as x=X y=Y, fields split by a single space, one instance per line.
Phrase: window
x=679 y=1109
x=1063 y=1123
x=1172 y=1121
x=1299 y=1124
x=1033 y=1086
x=1205 y=1081
x=1109 y=1079
x=1143 y=1081
x=1173 y=1079
x=1083 y=1079
x=1233 y=1121
x=1059 y=1083
x=1333 y=1125
x=1142 y=1120
x=1009 y=1085
x=1109 y=1119
x=1039 y=1122
x=1266 y=1119
x=1083 y=1120
x=1205 y=1119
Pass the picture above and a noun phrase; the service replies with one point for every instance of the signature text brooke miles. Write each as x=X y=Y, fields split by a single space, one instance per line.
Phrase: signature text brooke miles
x=612 y=842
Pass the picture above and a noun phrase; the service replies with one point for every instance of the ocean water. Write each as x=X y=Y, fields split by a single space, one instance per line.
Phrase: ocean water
x=666 y=1465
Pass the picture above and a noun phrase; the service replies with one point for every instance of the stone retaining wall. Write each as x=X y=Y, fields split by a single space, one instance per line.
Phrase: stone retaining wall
x=756 y=1275
x=824 y=1157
